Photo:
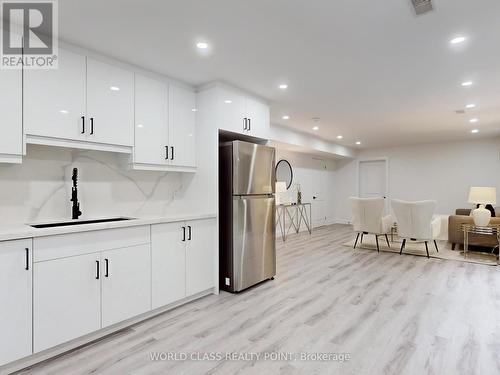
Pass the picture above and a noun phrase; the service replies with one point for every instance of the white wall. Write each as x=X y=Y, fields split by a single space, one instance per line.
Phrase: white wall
x=316 y=177
x=443 y=172
x=40 y=188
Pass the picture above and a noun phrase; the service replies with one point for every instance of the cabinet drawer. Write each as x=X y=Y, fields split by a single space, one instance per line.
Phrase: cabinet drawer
x=66 y=245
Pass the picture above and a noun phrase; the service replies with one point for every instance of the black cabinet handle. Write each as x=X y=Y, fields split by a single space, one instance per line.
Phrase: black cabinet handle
x=83 y=125
x=172 y=156
x=189 y=236
x=27 y=259
x=91 y=126
x=166 y=152
x=249 y=124
x=97 y=270
x=106 y=272
x=245 y=123
x=183 y=234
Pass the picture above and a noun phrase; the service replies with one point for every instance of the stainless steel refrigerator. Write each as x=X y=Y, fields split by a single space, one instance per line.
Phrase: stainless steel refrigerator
x=247 y=246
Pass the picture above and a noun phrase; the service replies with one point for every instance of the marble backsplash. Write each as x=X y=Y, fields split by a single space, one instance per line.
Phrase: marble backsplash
x=40 y=189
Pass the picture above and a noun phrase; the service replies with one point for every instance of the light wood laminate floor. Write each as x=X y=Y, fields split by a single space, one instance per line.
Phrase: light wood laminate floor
x=394 y=315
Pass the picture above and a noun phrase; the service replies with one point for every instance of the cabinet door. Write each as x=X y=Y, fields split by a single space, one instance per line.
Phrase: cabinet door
x=110 y=104
x=231 y=110
x=258 y=113
x=182 y=126
x=15 y=294
x=67 y=300
x=168 y=246
x=200 y=256
x=151 y=121
x=11 y=140
x=126 y=283
x=54 y=100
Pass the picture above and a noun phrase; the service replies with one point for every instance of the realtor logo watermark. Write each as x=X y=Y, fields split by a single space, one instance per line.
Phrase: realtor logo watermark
x=29 y=34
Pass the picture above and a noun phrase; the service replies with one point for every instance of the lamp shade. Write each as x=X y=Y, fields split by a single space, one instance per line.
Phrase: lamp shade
x=483 y=195
x=280 y=187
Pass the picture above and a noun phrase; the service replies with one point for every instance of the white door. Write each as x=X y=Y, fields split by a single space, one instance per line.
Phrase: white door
x=54 y=100
x=110 y=104
x=126 y=283
x=200 y=256
x=182 y=126
x=258 y=113
x=168 y=253
x=373 y=178
x=15 y=296
x=232 y=110
x=11 y=139
x=66 y=300
x=151 y=121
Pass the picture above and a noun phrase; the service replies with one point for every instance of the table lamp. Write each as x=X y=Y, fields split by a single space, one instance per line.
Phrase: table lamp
x=280 y=188
x=482 y=196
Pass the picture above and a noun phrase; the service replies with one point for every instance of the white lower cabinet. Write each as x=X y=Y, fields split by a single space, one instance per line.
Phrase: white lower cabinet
x=168 y=263
x=200 y=256
x=15 y=296
x=126 y=283
x=182 y=255
x=67 y=300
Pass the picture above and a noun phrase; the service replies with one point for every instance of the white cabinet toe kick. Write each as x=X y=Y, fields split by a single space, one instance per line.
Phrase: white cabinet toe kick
x=63 y=291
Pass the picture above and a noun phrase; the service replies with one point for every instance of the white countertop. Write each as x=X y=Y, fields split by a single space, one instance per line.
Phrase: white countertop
x=18 y=231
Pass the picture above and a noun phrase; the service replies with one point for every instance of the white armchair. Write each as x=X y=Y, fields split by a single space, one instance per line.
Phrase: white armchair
x=416 y=222
x=368 y=218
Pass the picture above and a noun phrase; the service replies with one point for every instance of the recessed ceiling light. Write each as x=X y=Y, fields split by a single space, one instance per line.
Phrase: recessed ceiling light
x=140 y=125
x=473 y=120
x=228 y=101
x=194 y=110
x=283 y=86
x=470 y=106
x=458 y=40
x=467 y=83
x=202 y=45
x=315 y=127
x=474 y=131
x=340 y=136
x=286 y=117
x=358 y=143
x=114 y=88
x=63 y=111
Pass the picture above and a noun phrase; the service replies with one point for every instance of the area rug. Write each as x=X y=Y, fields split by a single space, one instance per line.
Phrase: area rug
x=418 y=249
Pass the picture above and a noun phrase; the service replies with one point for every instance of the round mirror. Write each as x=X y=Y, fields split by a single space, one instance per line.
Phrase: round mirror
x=284 y=173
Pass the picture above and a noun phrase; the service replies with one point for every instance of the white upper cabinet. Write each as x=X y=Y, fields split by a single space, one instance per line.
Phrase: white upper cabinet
x=11 y=140
x=237 y=112
x=16 y=296
x=54 y=100
x=182 y=127
x=110 y=104
x=151 y=121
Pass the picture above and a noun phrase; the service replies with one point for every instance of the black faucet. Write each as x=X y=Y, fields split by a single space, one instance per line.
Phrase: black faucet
x=74 y=196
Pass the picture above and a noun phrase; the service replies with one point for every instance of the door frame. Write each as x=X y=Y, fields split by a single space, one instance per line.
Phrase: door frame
x=358 y=170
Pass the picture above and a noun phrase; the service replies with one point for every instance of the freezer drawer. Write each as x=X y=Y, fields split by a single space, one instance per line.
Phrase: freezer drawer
x=253 y=169
x=254 y=246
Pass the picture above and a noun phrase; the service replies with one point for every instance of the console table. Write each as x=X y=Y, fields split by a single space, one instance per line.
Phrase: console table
x=296 y=214
x=490 y=230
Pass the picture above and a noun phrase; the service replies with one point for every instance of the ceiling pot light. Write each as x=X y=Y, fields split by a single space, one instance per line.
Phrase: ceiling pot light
x=114 y=88
x=358 y=143
x=470 y=106
x=228 y=101
x=458 y=40
x=467 y=83
x=202 y=45
x=315 y=128
x=283 y=86
x=340 y=136
x=473 y=120
x=194 y=110
x=63 y=111
x=474 y=131
x=286 y=117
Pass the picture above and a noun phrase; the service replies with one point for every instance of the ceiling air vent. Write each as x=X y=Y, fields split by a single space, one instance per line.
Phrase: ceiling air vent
x=422 y=6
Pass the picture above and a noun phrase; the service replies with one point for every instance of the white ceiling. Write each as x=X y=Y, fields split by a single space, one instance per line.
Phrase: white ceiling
x=371 y=70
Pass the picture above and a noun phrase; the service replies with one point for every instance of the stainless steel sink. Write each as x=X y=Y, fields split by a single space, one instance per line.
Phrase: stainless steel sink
x=80 y=222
